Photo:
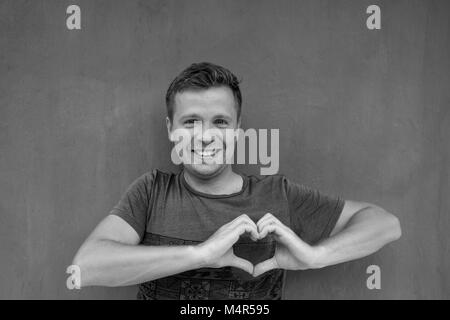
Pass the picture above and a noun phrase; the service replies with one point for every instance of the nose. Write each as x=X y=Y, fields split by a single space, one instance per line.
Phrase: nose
x=203 y=134
x=207 y=136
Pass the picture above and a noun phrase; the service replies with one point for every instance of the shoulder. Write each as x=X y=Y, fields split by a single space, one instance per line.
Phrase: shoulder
x=154 y=177
x=276 y=182
x=281 y=185
x=278 y=178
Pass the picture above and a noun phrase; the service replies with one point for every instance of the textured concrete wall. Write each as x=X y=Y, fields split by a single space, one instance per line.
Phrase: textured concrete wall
x=361 y=113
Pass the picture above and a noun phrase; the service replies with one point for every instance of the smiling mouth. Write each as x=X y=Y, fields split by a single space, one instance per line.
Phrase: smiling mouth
x=205 y=153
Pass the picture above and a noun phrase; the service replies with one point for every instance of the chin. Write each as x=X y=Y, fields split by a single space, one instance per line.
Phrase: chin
x=205 y=171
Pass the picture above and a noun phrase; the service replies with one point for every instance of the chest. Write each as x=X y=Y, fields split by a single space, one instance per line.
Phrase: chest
x=190 y=217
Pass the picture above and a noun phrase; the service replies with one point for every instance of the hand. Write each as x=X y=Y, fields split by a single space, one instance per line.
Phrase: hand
x=217 y=251
x=291 y=252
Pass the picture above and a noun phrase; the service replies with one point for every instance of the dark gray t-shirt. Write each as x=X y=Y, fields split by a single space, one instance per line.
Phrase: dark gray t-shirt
x=164 y=210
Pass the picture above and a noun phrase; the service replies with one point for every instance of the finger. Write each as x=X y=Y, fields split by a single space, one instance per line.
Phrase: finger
x=284 y=235
x=268 y=218
x=267 y=222
x=266 y=229
x=241 y=264
x=247 y=219
x=231 y=236
x=233 y=223
x=262 y=224
x=240 y=219
x=272 y=220
x=265 y=266
x=250 y=228
x=265 y=217
x=271 y=228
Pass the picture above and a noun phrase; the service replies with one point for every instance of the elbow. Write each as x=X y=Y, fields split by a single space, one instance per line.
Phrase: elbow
x=397 y=228
x=387 y=224
x=93 y=266
x=393 y=228
x=78 y=259
x=77 y=269
x=84 y=266
x=74 y=270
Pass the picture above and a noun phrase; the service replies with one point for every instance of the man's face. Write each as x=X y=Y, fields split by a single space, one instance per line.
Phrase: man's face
x=205 y=115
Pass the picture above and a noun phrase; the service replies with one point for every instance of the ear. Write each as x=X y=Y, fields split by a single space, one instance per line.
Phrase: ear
x=169 y=128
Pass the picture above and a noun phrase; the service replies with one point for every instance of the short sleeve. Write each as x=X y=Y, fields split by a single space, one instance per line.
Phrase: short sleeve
x=313 y=214
x=134 y=204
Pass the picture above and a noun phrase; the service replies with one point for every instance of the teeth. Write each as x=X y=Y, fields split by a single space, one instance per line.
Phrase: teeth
x=205 y=153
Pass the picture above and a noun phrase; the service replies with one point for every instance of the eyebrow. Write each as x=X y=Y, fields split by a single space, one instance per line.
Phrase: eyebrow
x=223 y=116
x=190 y=115
x=195 y=115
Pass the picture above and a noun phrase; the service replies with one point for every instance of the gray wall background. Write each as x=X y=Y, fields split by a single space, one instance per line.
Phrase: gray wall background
x=361 y=113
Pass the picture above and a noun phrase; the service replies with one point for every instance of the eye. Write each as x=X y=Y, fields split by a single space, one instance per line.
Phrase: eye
x=221 y=122
x=189 y=122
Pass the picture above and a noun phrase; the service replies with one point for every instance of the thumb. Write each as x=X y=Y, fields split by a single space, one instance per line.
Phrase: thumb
x=241 y=264
x=265 y=266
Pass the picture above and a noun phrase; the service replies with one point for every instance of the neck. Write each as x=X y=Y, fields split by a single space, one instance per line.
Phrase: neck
x=226 y=182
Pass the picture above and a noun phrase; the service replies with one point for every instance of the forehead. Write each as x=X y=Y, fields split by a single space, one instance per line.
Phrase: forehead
x=216 y=100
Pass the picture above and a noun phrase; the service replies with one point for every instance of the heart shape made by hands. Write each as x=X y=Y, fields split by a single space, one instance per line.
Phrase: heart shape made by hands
x=255 y=251
x=278 y=248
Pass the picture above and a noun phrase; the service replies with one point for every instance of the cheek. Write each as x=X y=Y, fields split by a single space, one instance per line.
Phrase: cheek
x=183 y=139
x=220 y=142
x=195 y=143
x=229 y=139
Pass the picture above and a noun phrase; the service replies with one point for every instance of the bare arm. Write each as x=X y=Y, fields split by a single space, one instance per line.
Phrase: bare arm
x=362 y=229
x=111 y=256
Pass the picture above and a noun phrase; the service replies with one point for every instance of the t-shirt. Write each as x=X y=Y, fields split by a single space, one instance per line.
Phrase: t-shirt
x=166 y=211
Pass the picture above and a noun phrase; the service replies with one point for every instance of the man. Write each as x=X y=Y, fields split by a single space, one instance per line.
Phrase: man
x=208 y=232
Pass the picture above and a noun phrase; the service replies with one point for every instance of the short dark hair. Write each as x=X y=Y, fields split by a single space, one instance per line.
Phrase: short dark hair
x=200 y=76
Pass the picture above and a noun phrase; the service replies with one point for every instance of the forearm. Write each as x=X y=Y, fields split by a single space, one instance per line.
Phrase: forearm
x=366 y=232
x=110 y=263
